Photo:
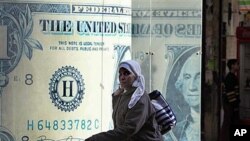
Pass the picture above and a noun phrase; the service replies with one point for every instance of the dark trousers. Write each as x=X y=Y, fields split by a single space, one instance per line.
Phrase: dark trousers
x=231 y=117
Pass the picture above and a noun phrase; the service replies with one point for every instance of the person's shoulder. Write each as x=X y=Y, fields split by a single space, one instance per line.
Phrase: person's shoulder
x=145 y=98
x=146 y=95
x=229 y=76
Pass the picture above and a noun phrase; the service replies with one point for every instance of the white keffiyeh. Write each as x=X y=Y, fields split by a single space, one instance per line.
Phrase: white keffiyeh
x=139 y=83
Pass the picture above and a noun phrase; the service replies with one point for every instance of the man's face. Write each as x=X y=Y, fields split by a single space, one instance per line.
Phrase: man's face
x=191 y=81
x=235 y=67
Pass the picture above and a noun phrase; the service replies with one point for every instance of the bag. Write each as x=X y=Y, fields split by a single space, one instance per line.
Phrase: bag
x=165 y=117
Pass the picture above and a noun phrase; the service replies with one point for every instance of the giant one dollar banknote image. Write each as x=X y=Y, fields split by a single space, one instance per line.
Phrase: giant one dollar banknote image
x=183 y=91
x=167 y=42
x=57 y=66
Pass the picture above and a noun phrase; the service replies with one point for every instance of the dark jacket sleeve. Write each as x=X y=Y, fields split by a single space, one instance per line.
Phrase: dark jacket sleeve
x=134 y=120
x=231 y=90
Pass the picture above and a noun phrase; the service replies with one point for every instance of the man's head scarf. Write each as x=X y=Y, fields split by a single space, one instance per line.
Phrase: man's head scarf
x=134 y=67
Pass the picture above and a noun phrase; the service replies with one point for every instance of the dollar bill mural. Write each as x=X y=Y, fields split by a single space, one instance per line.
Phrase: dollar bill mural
x=183 y=91
x=57 y=66
x=166 y=39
